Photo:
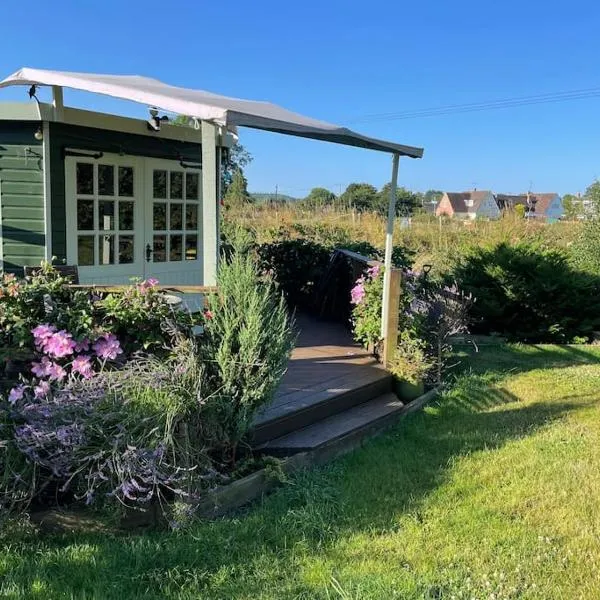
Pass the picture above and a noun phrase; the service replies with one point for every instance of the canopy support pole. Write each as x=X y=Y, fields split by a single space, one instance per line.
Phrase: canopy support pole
x=389 y=243
x=58 y=103
x=210 y=208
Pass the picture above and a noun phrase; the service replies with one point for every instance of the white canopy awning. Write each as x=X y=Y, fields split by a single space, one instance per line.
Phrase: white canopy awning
x=229 y=112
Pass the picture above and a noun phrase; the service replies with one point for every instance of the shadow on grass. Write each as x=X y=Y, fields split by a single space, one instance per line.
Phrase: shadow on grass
x=243 y=556
x=516 y=358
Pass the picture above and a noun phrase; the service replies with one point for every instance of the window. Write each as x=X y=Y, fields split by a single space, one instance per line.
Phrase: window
x=105 y=217
x=175 y=200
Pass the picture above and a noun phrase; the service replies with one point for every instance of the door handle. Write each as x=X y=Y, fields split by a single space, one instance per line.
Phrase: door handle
x=148 y=252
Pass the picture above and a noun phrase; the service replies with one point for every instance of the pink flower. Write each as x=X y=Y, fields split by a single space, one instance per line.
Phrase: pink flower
x=208 y=314
x=59 y=344
x=56 y=372
x=42 y=389
x=149 y=283
x=16 y=393
x=41 y=333
x=108 y=347
x=373 y=271
x=357 y=294
x=83 y=365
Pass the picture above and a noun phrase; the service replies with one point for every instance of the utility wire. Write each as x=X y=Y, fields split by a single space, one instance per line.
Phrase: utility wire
x=481 y=106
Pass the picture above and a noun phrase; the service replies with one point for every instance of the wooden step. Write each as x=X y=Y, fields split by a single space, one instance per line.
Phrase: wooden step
x=351 y=426
x=291 y=413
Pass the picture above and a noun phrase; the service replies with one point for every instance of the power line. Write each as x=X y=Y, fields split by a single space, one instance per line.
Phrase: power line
x=481 y=106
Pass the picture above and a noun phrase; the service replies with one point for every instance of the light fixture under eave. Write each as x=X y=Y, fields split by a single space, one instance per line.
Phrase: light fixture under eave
x=154 y=122
x=39 y=134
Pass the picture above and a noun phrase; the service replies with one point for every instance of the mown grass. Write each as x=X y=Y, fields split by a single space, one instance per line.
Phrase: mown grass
x=492 y=492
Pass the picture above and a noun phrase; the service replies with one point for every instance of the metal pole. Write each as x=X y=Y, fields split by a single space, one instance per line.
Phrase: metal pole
x=389 y=243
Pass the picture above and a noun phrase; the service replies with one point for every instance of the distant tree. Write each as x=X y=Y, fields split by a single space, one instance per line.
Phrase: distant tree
x=362 y=196
x=572 y=206
x=319 y=197
x=234 y=159
x=237 y=192
x=592 y=195
x=520 y=210
x=406 y=201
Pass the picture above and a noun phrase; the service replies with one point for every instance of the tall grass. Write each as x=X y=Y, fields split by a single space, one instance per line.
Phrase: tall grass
x=433 y=240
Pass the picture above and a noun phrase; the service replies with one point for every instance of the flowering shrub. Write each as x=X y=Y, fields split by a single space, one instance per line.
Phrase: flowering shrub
x=116 y=435
x=430 y=313
x=49 y=329
x=366 y=297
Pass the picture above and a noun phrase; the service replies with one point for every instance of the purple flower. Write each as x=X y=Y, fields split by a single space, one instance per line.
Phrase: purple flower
x=56 y=372
x=357 y=294
x=41 y=333
x=41 y=390
x=59 y=344
x=108 y=347
x=42 y=368
x=16 y=393
x=83 y=365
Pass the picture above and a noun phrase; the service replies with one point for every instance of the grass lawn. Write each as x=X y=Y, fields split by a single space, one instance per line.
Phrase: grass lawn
x=492 y=492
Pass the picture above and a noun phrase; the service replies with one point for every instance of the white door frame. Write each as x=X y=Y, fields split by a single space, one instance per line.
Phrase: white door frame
x=188 y=271
x=113 y=273
x=182 y=272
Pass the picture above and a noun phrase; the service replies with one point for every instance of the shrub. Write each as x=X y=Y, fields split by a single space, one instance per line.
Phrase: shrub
x=411 y=362
x=131 y=434
x=366 y=297
x=585 y=251
x=296 y=266
x=246 y=345
x=137 y=319
x=530 y=294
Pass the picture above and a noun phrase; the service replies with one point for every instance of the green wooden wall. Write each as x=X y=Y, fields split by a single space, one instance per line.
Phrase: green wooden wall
x=21 y=196
x=86 y=138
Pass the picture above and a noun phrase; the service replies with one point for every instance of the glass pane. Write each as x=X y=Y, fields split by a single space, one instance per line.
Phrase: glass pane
x=176 y=247
x=191 y=186
x=125 y=249
x=106 y=249
x=176 y=218
x=85 y=178
x=126 y=181
x=85 y=250
x=126 y=216
x=106 y=215
x=176 y=184
x=160 y=216
x=106 y=180
x=159 y=185
x=159 y=252
x=191 y=247
x=85 y=214
x=191 y=217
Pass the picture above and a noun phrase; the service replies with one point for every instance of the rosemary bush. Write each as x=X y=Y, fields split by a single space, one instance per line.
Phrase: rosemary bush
x=246 y=345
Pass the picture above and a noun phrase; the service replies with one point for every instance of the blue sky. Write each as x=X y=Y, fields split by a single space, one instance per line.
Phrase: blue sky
x=340 y=60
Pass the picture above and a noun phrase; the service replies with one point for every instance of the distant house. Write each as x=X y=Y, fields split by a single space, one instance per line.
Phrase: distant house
x=546 y=206
x=468 y=205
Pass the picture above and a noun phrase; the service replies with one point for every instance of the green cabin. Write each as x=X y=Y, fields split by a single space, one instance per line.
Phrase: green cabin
x=113 y=195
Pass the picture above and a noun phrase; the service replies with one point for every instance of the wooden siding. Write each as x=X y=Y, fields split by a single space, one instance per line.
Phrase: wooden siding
x=86 y=138
x=21 y=196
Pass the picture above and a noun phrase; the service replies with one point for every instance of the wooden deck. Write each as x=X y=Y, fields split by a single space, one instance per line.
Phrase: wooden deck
x=326 y=365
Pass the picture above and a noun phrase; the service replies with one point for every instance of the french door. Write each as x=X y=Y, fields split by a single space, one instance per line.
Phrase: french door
x=132 y=217
x=173 y=217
